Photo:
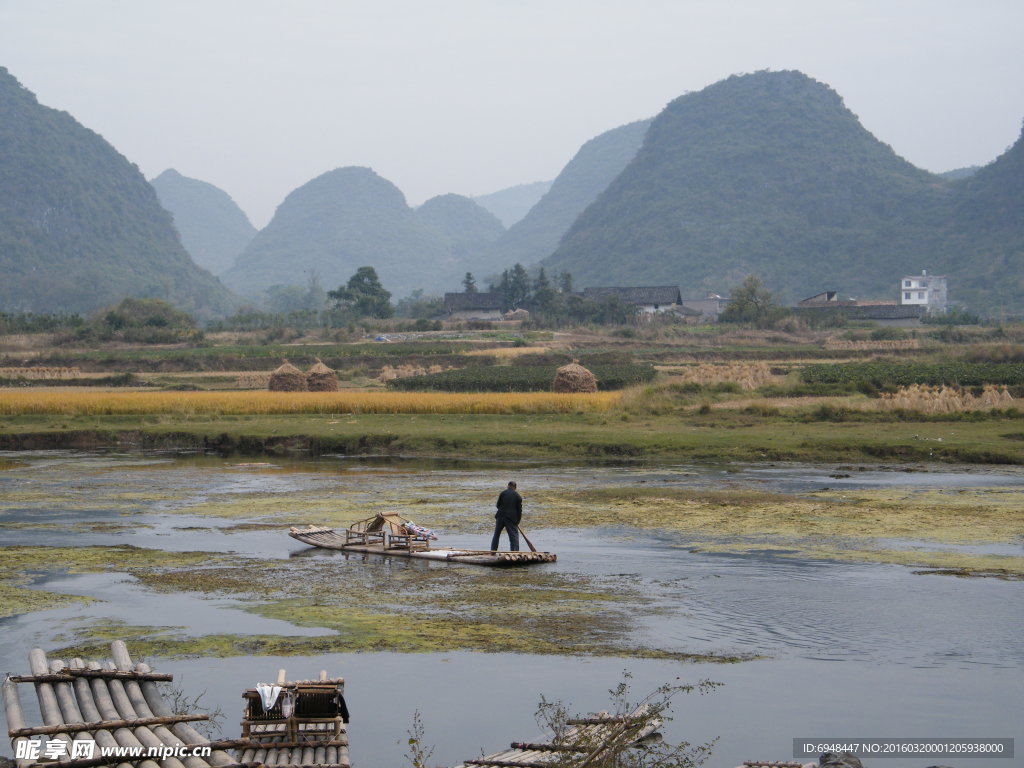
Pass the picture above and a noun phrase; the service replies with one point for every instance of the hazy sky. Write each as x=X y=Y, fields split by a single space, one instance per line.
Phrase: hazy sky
x=259 y=96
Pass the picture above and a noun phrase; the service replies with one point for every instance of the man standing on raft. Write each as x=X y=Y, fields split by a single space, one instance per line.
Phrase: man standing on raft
x=510 y=512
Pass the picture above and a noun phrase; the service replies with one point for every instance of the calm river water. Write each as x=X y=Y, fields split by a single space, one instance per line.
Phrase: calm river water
x=851 y=650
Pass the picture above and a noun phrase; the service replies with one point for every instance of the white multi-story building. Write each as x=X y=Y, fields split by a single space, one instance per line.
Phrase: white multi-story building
x=924 y=290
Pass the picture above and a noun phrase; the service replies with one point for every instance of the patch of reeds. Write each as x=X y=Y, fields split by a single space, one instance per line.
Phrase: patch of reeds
x=253 y=380
x=17 y=403
x=746 y=375
x=930 y=399
x=40 y=373
x=392 y=372
x=864 y=344
x=507 y=352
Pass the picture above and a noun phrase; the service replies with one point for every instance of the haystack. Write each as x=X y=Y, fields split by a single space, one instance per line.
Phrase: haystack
x=574 y=378
x=320 y=378
x=287 y=378
x=517 y=314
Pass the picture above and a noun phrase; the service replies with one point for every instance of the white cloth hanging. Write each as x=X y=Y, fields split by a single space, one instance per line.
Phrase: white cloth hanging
x=268 y=695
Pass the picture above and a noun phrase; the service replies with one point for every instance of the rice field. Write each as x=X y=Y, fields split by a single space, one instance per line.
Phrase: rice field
x=115 y=403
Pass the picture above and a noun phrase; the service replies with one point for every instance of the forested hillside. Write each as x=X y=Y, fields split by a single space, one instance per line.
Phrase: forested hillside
x=214 y=230
x=467 y=228
x=459 y=219
x=771 y=174
x=80 y=227
x=986 y=232
x=590 y=171
x=342 y=220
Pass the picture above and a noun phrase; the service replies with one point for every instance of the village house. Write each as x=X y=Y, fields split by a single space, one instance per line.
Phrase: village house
x=648 y=300
x=473 y=306
x=881 y=312
x=924 y=290
x=708 y=308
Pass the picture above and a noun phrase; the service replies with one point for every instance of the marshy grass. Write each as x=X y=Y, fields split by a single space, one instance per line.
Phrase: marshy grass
x=113 y=403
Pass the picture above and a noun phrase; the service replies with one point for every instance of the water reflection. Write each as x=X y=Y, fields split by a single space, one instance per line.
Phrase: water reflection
x=855 y=648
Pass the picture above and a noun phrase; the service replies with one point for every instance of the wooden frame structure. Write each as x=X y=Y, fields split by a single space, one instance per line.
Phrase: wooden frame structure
x=388 y=530
x=305 y=713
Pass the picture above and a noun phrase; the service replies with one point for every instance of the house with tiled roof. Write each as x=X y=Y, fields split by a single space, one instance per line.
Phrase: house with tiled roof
x=647 y=299
x=473 y=306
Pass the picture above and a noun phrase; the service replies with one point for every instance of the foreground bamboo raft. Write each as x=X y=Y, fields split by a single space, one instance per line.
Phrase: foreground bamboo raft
x=119 y=705
x=587 y=741
x=389 y=535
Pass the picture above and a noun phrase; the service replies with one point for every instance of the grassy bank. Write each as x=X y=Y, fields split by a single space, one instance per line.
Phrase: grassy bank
x=721 y=434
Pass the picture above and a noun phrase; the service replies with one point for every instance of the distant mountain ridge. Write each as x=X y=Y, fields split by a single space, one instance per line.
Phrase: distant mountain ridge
x=468 y=228
x=342 y=220
x=594 y=166
x=80 y=228
x=214 y=230
x=983 y=240
x=512 y=204
x=460 y=219
x=771 y=174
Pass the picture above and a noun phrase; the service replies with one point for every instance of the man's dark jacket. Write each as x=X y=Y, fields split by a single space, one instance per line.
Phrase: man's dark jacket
x=510 y=506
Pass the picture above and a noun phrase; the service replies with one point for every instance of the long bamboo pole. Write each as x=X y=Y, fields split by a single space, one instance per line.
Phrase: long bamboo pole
x=69 y=674
x=95 y=725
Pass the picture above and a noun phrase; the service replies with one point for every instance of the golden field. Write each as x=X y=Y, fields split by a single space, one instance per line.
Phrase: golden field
x=113 y=403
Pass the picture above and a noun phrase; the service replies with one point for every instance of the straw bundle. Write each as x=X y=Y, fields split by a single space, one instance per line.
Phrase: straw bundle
x=873 y=344
x=517 y=314
x=253 y=380
x=926 y=399
x=287 y=378
x=320 y=378
x=391 y=372
x=40 y=372
x=747 y=375
x=574 y=378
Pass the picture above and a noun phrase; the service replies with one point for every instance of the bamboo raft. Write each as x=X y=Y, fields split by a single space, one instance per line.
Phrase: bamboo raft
x=386 y=535
x=592 y=740
x=118 y=704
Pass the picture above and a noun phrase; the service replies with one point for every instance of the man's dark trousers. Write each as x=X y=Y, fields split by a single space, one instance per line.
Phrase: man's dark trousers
x=513 y=534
